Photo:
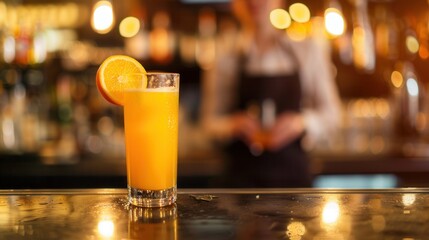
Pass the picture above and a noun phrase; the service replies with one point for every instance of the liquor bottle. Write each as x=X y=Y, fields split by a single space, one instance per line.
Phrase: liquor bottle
x=363 y=38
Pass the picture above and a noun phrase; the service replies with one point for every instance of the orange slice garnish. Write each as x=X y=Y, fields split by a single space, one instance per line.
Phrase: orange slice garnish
x=112 y=74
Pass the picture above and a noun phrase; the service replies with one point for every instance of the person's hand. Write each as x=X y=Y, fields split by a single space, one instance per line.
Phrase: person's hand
x=245 y=126
x=287 y=127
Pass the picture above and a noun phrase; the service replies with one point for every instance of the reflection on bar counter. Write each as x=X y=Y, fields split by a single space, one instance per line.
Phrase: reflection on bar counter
x=49 y=53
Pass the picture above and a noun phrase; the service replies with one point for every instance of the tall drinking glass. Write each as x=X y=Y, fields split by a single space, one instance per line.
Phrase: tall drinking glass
x=151 y=109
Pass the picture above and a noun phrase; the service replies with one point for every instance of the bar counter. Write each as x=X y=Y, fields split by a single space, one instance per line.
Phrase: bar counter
x=30 y=171
x=400 y=213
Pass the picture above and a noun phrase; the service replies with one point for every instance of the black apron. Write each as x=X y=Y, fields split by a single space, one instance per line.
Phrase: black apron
x=287 y=167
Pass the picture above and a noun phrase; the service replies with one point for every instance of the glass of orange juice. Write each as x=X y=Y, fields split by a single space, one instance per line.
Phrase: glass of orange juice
x=151 y=107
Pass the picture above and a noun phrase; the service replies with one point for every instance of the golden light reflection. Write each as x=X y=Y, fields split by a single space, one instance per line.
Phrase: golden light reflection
x=412 y=44
x=331 y=213
x=408 y=199
x=280 y=18
x=102 y=17
x=106 y=228
x=298 y=31
x=334 y=22
x=378 y=223
x=129 y=27
x=5 y=209
x=152 y=223
x=396 y=79
x=299 y=12
x=295 y=230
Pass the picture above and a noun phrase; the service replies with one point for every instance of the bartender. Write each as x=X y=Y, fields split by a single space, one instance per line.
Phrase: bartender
x=265 y=97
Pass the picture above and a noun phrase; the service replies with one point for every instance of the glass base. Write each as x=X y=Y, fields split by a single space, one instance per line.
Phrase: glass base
x=152 y=198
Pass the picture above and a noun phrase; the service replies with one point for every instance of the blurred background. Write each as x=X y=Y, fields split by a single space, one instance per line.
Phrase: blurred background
x=56 y=131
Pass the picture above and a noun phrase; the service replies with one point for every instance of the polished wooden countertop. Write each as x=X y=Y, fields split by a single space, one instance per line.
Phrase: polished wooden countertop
x=217 y=214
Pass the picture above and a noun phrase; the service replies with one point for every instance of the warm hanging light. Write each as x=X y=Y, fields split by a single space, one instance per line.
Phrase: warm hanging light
x=102 y=17
x=280 y=18
x=334 y=22
x=299 y=12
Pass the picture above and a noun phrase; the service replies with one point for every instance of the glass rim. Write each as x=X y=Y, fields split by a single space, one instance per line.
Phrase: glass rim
x=155 y=73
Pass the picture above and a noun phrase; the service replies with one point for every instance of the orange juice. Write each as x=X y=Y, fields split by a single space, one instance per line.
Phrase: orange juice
x=151 y=135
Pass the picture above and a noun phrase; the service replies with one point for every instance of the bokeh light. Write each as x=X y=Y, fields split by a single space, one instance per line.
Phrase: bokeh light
x=423 y=52
x=102 y=17
x=412 y=87
x=382 y=108
x=298 y=31
x=106 y=228
x=408 y=199
x=295 y=230
x=299 y=12
x=412 y=44
x=396 y=79
x=280 y=18
x=334 y=22
x=129 y=27
x=331 y=212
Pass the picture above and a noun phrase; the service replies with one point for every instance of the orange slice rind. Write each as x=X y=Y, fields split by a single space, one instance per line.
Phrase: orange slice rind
x=113 y=77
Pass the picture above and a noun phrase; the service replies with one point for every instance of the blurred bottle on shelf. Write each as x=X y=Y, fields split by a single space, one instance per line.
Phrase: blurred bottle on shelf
x=162 y=39
x=206 y=42
x=363 y=38
x=23 y=45
x=22 y=111
x=409 y=100
x=386 y=33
